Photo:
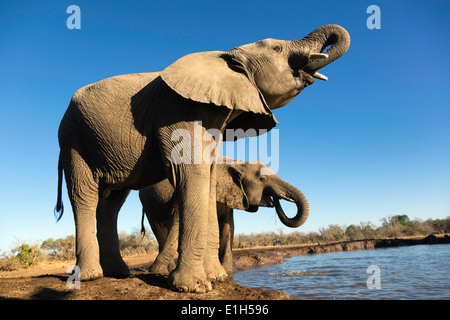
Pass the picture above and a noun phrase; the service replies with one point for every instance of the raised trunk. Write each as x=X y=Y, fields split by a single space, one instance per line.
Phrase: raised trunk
x=291 y=193
x=317 y=41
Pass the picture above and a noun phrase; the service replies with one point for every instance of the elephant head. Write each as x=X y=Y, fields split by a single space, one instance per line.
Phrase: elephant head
x=258 y=77
x=248 y=186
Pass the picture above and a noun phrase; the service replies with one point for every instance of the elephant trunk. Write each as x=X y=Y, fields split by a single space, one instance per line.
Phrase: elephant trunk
x=317 y=41
x=292 y=194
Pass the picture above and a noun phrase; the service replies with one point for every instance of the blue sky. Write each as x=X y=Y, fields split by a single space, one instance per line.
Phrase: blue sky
x=372 y=141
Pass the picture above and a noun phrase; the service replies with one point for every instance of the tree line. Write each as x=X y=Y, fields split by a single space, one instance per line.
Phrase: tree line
x=391 y=227
x=25 y=255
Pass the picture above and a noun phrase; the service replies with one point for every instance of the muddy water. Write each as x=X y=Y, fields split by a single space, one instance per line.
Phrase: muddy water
x=413 y=272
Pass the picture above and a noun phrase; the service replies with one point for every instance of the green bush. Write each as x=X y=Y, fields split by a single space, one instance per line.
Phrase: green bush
x=28 y=255
x=22 y=256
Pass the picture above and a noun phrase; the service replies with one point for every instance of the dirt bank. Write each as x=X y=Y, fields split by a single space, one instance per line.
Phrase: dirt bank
x=49 y=280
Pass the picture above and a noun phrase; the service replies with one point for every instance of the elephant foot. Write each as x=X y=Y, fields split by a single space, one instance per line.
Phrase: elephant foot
x=214 y=269
x=228 y=266
x=118 y=273
x=114 y=266
x=158 y=268
x=90 y=271
x=184 y=280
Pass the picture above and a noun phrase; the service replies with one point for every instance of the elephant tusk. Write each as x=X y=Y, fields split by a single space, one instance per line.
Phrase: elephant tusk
x=314 y=56
x=320 y=76
x=279 y=197
x=286 y=198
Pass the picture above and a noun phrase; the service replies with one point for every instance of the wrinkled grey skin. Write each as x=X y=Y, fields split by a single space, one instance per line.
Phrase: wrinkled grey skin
x=116 y=136
x=239 y=186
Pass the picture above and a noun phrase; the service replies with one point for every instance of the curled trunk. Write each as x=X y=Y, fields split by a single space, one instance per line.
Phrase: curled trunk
x=318 y=40
x=292 y=194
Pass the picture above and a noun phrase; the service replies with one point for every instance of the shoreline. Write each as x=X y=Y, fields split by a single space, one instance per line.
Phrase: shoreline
x=259 y=256
x=48 y=281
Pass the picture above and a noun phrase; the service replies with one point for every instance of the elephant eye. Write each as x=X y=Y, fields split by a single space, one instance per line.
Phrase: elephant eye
x=277 y=48
x=263 y=178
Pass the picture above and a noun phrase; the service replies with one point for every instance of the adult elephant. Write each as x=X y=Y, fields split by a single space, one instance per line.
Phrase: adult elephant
x=244 y=186
x=118 y=134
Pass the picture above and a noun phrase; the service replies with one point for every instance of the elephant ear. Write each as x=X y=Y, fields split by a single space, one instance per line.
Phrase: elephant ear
x=213 y=77
x=230 y=191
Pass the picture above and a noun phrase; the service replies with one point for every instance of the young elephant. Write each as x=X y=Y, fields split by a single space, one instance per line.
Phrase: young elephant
x=239 y=186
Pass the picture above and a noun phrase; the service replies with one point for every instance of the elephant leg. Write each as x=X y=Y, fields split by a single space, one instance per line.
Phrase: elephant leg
x=108 y=239
x=193 y=203
x=213 y=268
x=83 y=195
x=226 y=228
x=164 y=261
x=190 y=173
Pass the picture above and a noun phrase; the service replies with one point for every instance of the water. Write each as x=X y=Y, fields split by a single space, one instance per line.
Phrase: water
x=414 y=272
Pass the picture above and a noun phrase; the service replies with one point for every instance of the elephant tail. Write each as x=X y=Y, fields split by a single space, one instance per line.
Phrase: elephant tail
x=59 y=209
x=142 y=234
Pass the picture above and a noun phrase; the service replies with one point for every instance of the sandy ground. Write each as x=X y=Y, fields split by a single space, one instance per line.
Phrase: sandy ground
x=48 y=280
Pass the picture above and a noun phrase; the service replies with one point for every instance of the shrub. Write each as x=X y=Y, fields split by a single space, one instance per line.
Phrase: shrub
x=441 y=225
x=22 y=256
x=395 y=226
x=368 y=230
x=354 y=232
x=421 y=227
x=61 y=249
x=332 y=233
x=28 y=255
x=135 y=243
